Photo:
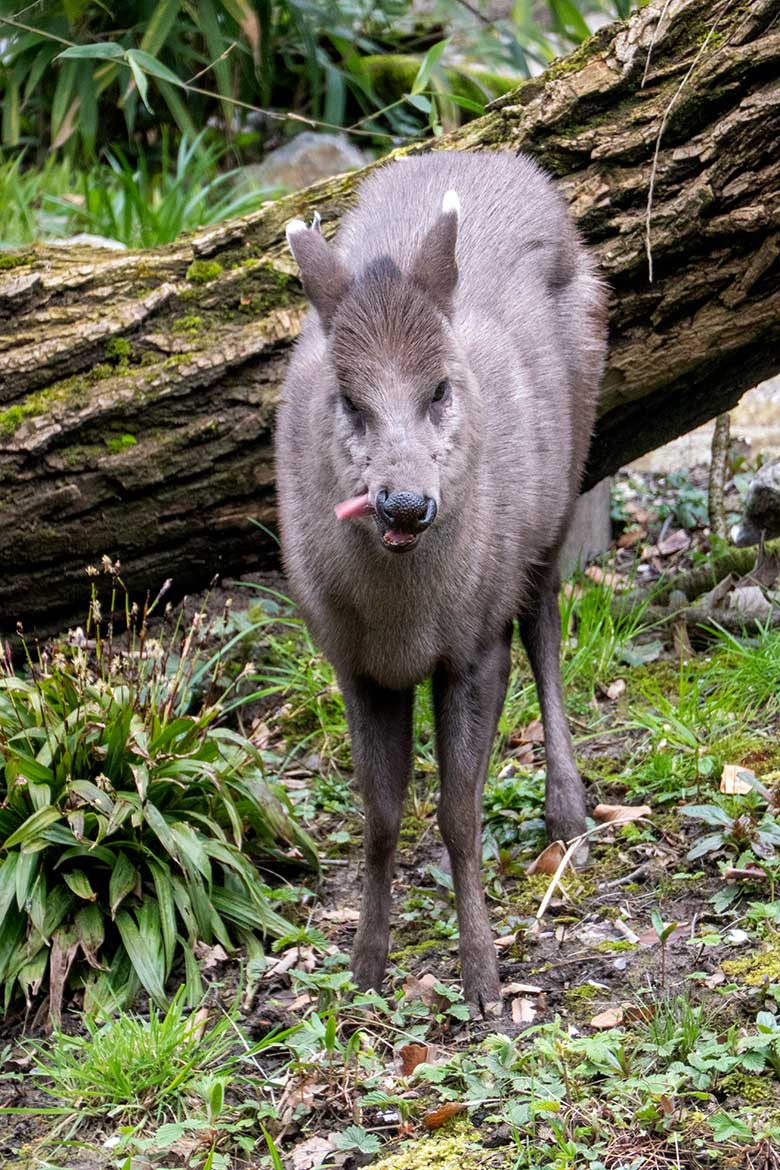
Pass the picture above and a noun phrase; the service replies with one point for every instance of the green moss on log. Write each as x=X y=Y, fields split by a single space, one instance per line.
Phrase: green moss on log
x=203 y=271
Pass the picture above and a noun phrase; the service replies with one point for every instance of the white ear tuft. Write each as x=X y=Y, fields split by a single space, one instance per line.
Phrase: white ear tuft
x=451 y=202
x=293 y=228
x=316 y=221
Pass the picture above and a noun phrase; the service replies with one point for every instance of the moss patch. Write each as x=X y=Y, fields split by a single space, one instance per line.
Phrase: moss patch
x=203 y=271
x=119 y=349
x=455 y=1145
x=756 y=970
x=188 y=324
x=121 y=443
x=13 y=260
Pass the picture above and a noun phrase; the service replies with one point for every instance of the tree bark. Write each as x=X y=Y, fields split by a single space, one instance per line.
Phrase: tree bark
x=137 y=390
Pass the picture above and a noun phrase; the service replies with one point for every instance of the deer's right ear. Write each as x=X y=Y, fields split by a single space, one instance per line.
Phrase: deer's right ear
x=325 y=279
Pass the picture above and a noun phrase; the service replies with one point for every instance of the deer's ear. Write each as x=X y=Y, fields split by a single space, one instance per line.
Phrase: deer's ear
x=435 y=269
x=325 y=279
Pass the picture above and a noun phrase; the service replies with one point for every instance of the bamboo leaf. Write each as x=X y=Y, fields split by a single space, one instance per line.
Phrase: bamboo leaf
x=427 y=66
x=100 y=51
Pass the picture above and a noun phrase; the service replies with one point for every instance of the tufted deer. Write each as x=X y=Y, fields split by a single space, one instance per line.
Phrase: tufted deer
x=431 y=440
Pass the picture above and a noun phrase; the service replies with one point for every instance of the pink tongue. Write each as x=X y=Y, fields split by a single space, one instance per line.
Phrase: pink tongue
x=357 y=506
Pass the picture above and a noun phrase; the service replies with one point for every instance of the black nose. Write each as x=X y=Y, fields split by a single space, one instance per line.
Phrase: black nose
x=406 y=511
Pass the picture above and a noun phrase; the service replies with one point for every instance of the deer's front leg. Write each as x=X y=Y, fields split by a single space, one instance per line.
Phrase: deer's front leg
x=467 y=706
x=380 y=723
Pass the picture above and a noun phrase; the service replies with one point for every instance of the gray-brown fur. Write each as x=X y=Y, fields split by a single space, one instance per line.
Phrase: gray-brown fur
x=513 y=319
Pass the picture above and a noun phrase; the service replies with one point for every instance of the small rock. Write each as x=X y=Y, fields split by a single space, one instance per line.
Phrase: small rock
x=762 y=508
x=306 y=159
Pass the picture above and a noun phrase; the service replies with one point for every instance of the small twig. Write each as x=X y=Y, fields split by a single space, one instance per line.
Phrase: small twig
x=211 y=64
x=717 y=477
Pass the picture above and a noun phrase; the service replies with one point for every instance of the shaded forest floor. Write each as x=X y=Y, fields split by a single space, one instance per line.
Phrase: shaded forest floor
x=641 y=1006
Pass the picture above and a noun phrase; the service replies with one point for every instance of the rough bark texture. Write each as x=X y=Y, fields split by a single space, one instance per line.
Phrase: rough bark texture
x=137 y=389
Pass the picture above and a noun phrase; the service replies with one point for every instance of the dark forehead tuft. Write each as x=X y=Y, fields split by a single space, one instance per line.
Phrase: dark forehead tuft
x=386 y=317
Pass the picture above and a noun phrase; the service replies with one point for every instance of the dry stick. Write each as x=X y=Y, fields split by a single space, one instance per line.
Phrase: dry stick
x=572 y=848
x=717 y=478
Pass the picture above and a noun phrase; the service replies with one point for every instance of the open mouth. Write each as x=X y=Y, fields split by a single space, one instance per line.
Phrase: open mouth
x=397 y=540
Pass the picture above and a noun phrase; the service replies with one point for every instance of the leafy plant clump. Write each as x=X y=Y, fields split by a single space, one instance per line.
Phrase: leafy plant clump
x=131 y=822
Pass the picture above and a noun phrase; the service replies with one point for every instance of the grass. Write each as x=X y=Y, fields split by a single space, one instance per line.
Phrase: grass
x=137 y=205
x=688 y=1066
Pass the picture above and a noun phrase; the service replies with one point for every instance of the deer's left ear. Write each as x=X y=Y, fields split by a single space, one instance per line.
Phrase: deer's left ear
x=326 y=280
x=435 y=269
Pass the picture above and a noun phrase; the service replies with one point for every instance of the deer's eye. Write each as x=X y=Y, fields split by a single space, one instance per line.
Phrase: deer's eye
x=441 y=391
x=348 y=404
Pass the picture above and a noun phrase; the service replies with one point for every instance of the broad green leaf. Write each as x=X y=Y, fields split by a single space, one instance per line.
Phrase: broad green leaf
x=33 y=826
x=145 y=961
x=152 y=66
x=427 y=66
x=59 y=903
x=93 y=795
x=78 y=881
x=161 y=875
x=711 y=814
x=124 y=879
x=9 y=884
x=32 y=769
x=161 y=829
x=91 y=933
x=100 y=51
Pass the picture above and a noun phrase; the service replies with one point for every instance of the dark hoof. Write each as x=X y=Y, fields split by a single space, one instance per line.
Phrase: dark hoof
x=368 y=967
x=481 y=984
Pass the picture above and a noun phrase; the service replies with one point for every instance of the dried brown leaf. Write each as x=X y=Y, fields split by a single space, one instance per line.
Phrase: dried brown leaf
x=673 y=543
x=310 y=1154
x=548 y=860
x=615 y=689
x=608 y=1019
x=523 y=1011
x=731 y=780
x=439 y=1117
x=621 y=814
x=410 y=1056
x=511 y=989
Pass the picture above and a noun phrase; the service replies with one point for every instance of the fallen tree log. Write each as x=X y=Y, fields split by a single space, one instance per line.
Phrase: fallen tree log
x=137 y=390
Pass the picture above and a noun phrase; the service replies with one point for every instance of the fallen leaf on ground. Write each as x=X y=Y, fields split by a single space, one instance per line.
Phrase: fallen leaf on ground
x=621 y=814
x=310 y=1154
x=615 y=689
x=345 y=914
x=210 y=956
x=548 y=860
x=533 y=732
x=523 y=1011
x=674 y=542
x=410 y=1056
x=751 y=872
x=603 y=577
x=422 y=988
x=439 y=1117
x=299 y=957
x=520 y=989
x=198 y=1021
x=505 y=941
x=608 y=1019
x=732 y=782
